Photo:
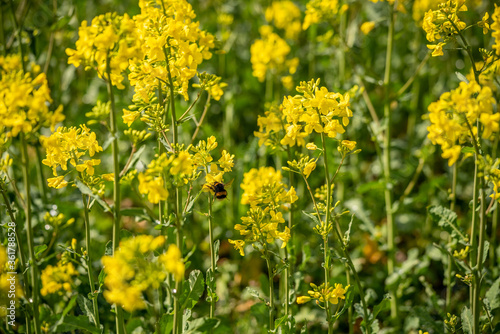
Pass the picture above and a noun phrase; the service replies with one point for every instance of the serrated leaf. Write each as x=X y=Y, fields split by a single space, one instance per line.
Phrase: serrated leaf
x=100 y=279
x=86 y=191
x=467 y=322
x=493 y=295
x=254 y=293
x=87 y=308
x=446 y=219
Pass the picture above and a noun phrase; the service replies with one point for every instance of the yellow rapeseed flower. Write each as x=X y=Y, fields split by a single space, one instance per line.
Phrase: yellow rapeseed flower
x=58 y=279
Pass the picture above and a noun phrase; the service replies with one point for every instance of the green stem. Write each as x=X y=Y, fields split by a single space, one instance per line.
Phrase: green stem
x=476 y=306
x=22 y=260
x=41 y=177
x=18 y=34
x=29 y=234
x=349 y=311
x=177 y=204
x=386 y=164
x=356 y=278
x=271 y=291
x=450 y=259
x=212 y=253
x=88 y=259
x=120 y=326
x=326 y=249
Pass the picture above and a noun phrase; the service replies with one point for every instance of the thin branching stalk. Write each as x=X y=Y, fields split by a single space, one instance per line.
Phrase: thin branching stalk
x=120 y=326
x=176 y=202
x=477 y=243
x=29 y=234
x=198 y=126
x=88 y=260
x=386 y=164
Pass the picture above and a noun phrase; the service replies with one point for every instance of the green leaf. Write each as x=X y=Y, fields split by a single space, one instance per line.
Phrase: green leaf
x=385 y=304
x=254 y=293
x=86 y=191
x=73 y=323
x=87 y=308
x=192 y=201
x=493 y=295
x=109 y=248
x=125 y=234
x=216 y=251
x=313 y=217
x=468 y=150
x=467 y=322
x=193 y=289
x=202 y=325
x=100 y=279
x=166 y=324
x=426 y=321
x=446 y=219
x=39 y=250
x=137 y=155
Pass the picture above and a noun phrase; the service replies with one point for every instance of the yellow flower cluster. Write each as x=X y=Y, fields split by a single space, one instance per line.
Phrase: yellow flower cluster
x=264 y=191
x=324 y=293
x=269 y=54
x=134 y=269
x=314 y=109
x=495 y=27
x=183 y=167
x=173 y=46
x=6 y=282
x=70 y=144
x=203 y=159
x=58 y=279
x=454 y=116
x=24 y=99
x=110 y=39
x=285 y=15
x=443 y=24
x=321 y=10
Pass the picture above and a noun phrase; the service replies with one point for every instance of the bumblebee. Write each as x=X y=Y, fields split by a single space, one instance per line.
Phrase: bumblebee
x=219 y=190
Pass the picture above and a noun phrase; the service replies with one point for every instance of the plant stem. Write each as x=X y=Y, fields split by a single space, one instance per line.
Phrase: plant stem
x=212 y=253
x=271 y=290
x=450 y=259
x=177 y=203
x=88 y=259
x=120 y=327
x=356 y=278
x=22 y=260
x=326 y=249
x=29 y=234
x=386 y=164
